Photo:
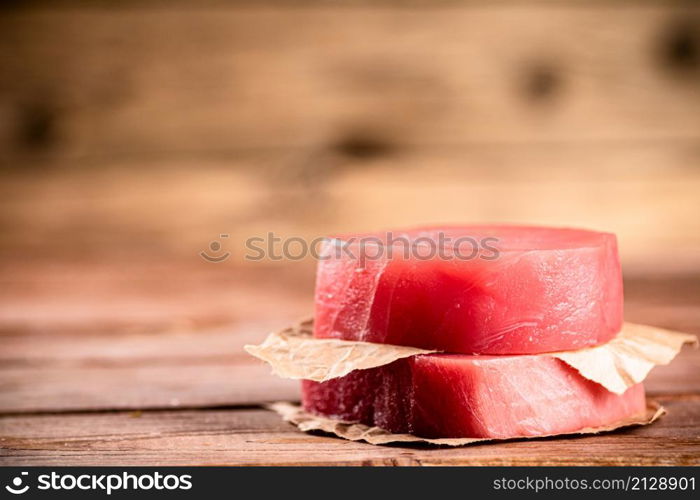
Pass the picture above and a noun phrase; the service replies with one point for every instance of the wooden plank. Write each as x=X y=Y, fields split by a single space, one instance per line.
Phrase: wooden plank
x=166 y=128
x=112 y=211
x=259 y=437
x=631 y=191
x=202 y=368
x=138 y=298
x=187 y=378
x=90 y=344
x=94 y=82
x=115 y=340
x=187 y=385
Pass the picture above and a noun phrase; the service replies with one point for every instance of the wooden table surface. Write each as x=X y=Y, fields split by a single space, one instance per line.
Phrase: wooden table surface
x=131 y=137
x=143 y=364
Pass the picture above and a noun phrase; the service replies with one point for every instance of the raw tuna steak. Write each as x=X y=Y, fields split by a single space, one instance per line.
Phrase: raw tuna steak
x=452 y=395
x=529 y=290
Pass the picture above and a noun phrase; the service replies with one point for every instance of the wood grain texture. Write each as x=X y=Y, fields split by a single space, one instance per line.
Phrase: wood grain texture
x=183 y=377
x=132 y=136
x=311 y=119
x=102 y=82
x=259 y=437
x=115 y=340
x=57 y=383
x=124 y=211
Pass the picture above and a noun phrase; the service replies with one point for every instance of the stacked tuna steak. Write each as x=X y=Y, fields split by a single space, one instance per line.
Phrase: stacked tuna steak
x=491 y=298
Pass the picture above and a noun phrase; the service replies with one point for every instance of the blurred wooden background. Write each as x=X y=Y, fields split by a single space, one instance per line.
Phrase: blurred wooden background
x=150 y=127
x=132 y=134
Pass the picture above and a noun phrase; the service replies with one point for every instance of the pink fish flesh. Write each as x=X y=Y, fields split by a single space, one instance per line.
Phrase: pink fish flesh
x=448 y=395
x=529 y=290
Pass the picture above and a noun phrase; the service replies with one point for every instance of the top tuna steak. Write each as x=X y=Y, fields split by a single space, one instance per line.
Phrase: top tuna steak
x=472 y=289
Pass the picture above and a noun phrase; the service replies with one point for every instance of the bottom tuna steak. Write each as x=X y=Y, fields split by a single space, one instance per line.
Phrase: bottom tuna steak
x=449 y=395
